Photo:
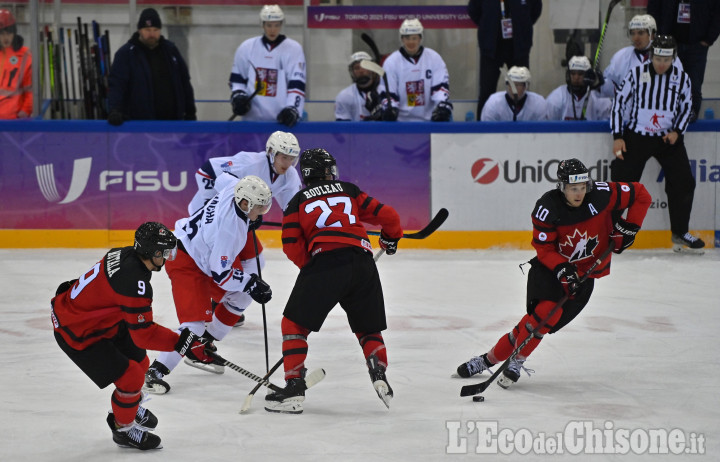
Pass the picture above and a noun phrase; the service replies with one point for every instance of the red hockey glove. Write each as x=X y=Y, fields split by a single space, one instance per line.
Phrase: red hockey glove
x=624 y=234
x=389 y=245
x=193 y=346
x=568 y=277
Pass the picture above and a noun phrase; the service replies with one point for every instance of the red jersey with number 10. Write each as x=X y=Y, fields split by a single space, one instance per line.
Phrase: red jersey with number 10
x=329 y=215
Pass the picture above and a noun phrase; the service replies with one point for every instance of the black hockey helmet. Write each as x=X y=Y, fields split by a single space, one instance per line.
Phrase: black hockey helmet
x=153 y=239
x=572 y=171
x=664 y=45
x=316 y=164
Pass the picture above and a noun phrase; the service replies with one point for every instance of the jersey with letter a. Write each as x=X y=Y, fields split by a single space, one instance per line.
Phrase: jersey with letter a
x=579 y=235
x=329 y=215
x=116 y=290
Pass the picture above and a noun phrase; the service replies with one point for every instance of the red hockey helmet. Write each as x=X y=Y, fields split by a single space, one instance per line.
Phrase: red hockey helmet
x=6 y=19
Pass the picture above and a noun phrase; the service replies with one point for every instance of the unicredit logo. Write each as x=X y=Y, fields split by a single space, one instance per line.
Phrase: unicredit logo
x=485 y=171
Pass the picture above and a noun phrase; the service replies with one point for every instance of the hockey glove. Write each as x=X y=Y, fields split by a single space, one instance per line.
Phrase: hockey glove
x=288 y=116
x=115 y=118
x=192 y=345
x=65 y=286
x=258 y=289
x=594 y=79
x=624 y=234
x=255 y=224
x=568 y=277
x=240 y=102
x=443 y=112
x=390 y=114
x=388 y=244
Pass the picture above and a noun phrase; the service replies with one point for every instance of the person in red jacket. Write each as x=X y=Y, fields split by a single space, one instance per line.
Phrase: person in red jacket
x=572 y=227
x=103 y=321
x=323 y=235
x=16 y=98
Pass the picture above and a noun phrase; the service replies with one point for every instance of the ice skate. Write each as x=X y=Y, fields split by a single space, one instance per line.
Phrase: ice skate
x=207 y=365
x=146 y=419
x=476 y=365
x=289 y=400
x=154 y=382
x=133 y=436
x=512 y=373
x=240 y=321
x=379 y=381
x=687 y=243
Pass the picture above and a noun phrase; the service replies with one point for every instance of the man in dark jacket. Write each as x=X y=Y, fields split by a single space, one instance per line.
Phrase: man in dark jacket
x=505 y=32
x=695 y=25
x=149 y=79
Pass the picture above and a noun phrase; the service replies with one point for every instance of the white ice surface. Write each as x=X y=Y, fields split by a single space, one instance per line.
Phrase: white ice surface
x=643 y=354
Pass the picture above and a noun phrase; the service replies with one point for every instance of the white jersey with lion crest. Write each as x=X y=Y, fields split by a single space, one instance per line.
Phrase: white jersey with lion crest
x=277 y=72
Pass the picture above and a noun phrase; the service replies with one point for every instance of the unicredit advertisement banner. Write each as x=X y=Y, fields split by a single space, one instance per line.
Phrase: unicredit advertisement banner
x=496 y=178
x=116 y=181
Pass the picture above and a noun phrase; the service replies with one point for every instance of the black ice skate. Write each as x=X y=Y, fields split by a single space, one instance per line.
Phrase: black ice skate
x=290 y=399
x=379 y=381
x=146 y=419
x=154 y=382
x=476 y=365
x=512 y=373
x=687 y=243
x=133 y=436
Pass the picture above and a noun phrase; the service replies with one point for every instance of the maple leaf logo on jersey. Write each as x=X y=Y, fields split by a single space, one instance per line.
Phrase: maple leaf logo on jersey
x=578 y=246
x=223 y=261
x=141 y=319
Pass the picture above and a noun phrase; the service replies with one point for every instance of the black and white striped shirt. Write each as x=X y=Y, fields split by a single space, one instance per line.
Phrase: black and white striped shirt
x=657 y=104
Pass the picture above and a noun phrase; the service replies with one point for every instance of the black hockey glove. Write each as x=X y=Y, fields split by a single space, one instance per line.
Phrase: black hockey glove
x=255 y=224
x=240 y=102
x=624 y=235
x=388 y=244
x=443 y=112
x=65 y=286
x=258 y=289
x=115 y=118
x=568 y=277
x=288 y=116
x=594 y=79
x=192 y=345
x=390 y=114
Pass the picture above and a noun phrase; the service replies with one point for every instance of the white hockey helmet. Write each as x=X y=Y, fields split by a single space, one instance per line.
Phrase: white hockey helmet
x=282 y=143
x=579 y=63
x=359 y=56
x=643 y=21
x=271 y=13
x=255 y=191
x=518 y=74
x=411 y=27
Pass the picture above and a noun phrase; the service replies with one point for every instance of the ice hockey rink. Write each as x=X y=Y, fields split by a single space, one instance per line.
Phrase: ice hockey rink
x=637 y=372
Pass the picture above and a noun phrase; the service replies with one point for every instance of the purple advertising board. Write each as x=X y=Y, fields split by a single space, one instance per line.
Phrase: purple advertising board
x=99 y=179
x=387 y=17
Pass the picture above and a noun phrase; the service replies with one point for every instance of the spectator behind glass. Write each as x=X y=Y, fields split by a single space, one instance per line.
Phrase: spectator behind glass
x=16 y=98
x=695 y=25
x=149 y=79
x=505 y=32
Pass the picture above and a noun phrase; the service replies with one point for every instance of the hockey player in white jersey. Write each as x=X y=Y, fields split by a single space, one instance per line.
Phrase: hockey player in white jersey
x=208 y=243
x=517 y=102
x=418 y=80
x=267 y=80
x=641 y=31
x=361 y=100
x=570 y=102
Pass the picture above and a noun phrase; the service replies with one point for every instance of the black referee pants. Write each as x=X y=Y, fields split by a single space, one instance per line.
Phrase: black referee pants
x=673 y=158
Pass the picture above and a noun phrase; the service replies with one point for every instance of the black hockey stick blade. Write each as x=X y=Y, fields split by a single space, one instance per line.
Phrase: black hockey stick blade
x=477 y=388
x=431 y=227
x=373 y=47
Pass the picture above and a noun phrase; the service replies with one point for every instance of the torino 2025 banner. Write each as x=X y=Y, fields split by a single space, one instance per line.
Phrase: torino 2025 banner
x=116 y=181
x=496 y=178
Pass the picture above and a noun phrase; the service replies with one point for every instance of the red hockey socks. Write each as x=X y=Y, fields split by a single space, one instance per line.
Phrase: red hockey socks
x=373 y=344
x=507 y=343
x=294 y=347
x=127 y=396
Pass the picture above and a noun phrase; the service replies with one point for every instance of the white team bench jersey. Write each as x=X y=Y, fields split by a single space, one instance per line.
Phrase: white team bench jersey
x=241 y=165
x=280 y=72
x=497 y=108
x=563 y=105
x=350 y=103
x=420 y=85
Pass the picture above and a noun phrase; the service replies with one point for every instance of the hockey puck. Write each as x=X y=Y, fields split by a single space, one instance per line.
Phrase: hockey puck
x=478 y=399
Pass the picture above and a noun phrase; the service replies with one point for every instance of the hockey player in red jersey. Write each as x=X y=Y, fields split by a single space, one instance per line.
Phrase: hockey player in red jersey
x=324 y=236
x=104 y=322
x=572 y=227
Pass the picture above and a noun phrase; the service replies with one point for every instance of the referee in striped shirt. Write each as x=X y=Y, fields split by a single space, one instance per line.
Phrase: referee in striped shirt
x=657 y=95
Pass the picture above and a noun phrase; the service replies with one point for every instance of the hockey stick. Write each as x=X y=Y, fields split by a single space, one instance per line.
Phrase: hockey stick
x=257 y=259
x=469 y=390
x=430 y=228
x=378 y=59
x=258 y=86
x=311 y=379
x=249 y=397
x=598 y=50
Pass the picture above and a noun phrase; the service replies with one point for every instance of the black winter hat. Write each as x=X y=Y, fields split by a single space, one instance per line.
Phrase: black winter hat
x=149 y=18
